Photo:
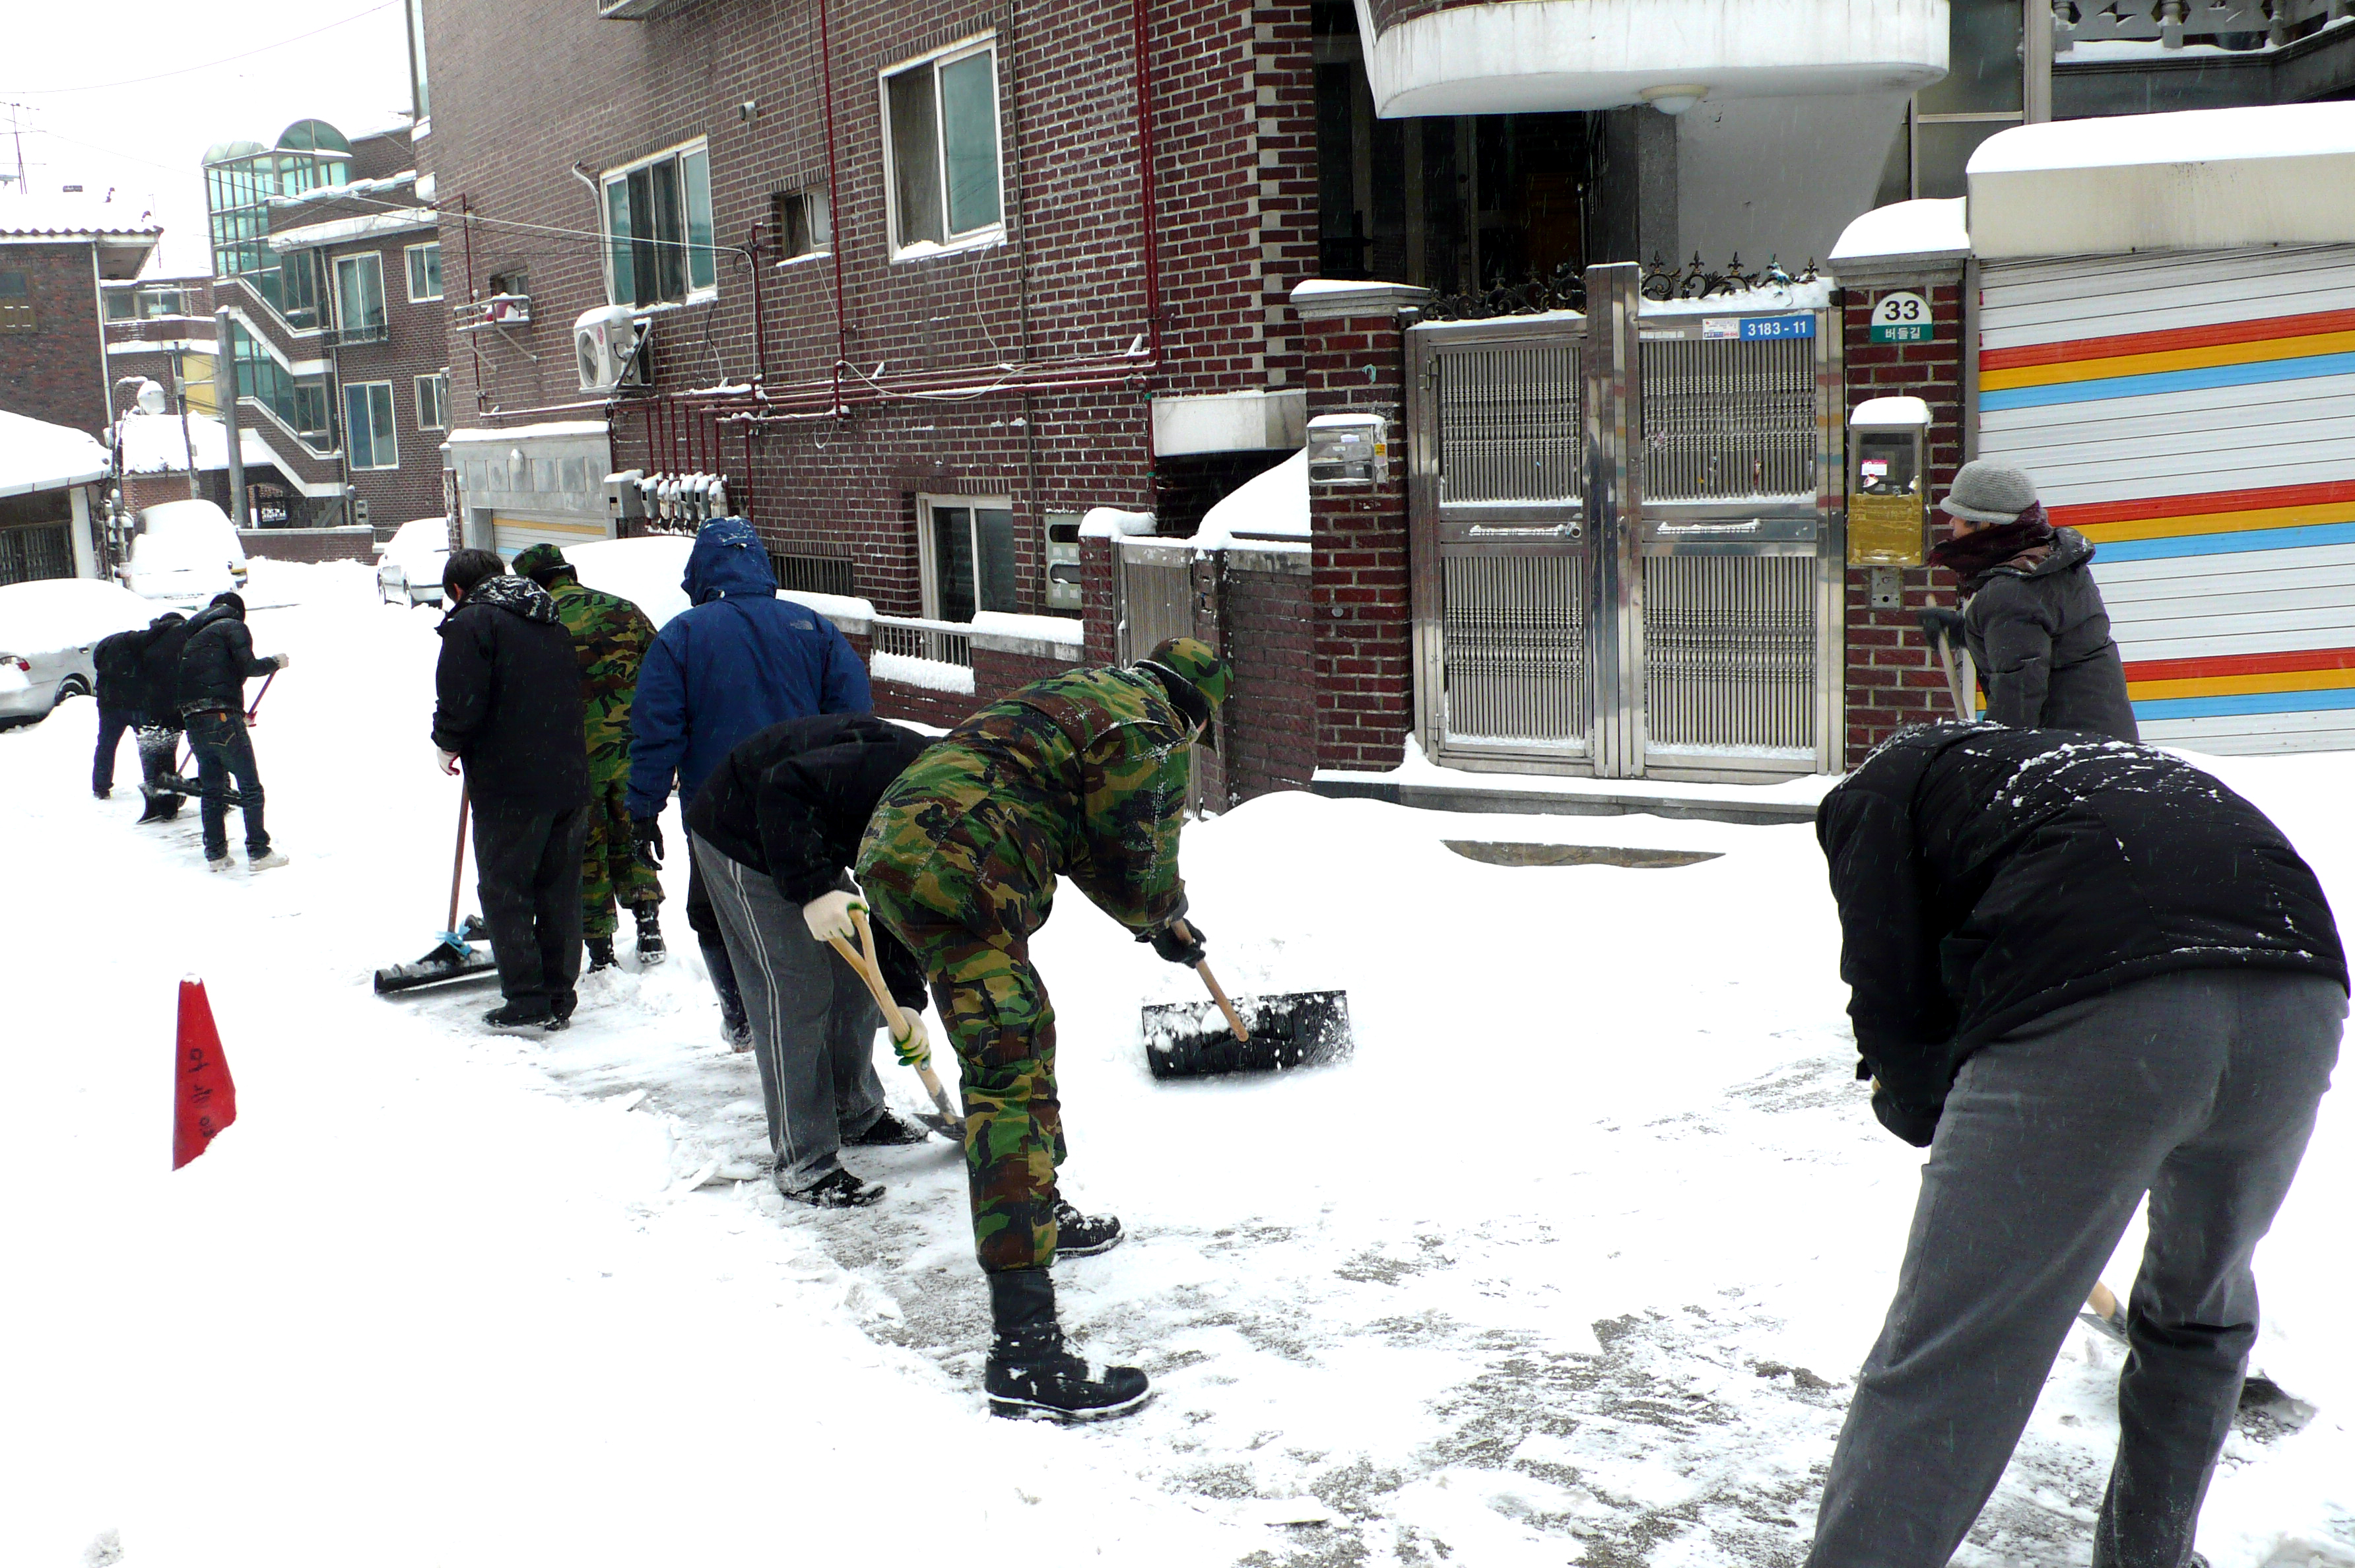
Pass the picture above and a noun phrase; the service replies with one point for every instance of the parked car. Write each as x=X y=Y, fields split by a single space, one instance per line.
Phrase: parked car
x=409 y=565
x=184 y=554
x=48 y=630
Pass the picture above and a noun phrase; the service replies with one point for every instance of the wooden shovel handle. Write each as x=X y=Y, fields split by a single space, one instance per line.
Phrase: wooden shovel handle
x=2104 y=1304
x=1218 y=994
x=872 y=973
x=458 y=860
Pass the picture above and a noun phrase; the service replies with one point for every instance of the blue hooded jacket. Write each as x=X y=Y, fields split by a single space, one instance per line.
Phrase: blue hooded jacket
x=738 y=661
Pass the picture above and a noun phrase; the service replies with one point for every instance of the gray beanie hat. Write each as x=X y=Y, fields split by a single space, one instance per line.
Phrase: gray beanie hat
x=1985 y=492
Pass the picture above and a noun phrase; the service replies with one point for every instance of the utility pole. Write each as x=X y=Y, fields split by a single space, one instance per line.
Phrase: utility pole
x=225 y=397
x=17 y=129
x=180 y=396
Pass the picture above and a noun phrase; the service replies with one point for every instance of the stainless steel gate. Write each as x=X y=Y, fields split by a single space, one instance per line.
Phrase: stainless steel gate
x=1628 y=537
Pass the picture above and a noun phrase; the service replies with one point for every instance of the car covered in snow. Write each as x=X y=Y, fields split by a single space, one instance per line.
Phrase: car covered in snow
x=409 y=565
x=184 y=554
x=49 y=630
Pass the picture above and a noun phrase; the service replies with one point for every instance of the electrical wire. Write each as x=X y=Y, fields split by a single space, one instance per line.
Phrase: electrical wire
x=186 y=70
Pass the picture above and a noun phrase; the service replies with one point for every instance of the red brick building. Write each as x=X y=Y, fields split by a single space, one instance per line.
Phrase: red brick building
x=56 y=254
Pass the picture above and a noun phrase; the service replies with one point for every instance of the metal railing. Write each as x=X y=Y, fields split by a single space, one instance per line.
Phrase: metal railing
x=2229 y=24
x=942 y=642
x=365 y=332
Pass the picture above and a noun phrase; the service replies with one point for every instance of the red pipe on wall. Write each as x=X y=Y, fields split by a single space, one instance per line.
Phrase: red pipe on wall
x=1145 y=181
x=833 y=206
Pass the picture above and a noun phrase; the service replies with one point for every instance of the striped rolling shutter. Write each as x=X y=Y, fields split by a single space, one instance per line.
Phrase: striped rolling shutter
x=512 y=536
x=2193 y=414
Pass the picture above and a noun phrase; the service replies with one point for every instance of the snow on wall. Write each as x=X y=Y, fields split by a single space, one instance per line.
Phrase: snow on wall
x=906 y=669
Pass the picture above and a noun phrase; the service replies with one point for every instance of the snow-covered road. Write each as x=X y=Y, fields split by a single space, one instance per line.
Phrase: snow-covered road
x=1572 y=1262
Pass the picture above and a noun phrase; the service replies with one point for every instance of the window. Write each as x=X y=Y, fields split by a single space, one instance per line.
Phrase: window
x=967 y=556
x=121 y=304
x=433 y=402
x=312 y=405
x=367 y=425
x=658 y=229
x=940 y=116
x=359 y=299
x=16 y=303
x=424 y=272
x=298 y=289
x=799 y=223
x=154 y=303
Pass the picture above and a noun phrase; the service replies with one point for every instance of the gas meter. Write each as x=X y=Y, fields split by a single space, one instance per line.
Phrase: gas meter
x=1887 y=510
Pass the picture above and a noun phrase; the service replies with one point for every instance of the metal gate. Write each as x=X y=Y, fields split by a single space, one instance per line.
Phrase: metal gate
x=1627 y=535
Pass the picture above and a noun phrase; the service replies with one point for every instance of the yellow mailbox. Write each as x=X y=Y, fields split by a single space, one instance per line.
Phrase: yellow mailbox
x=1888 y=439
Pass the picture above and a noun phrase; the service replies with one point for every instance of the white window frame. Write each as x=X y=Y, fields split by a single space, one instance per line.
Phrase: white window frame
x=928 y=571
x=408 y=270
x=618 y=175
x=440 y=382
x=358 y=259
x=392 y=428
x=950 y=240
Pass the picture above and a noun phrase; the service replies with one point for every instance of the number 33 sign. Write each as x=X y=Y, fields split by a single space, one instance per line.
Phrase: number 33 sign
x=1900 y=318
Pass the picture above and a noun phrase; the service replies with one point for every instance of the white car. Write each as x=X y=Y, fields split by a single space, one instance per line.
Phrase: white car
x=409 y=565
x=48 y=630
x=184 y=554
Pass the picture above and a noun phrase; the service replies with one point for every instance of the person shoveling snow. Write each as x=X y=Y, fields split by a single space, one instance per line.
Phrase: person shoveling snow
x=1082 y=776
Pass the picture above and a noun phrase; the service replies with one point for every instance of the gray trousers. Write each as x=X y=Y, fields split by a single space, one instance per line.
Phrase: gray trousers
x=813 y=1022
x=2199 y=1088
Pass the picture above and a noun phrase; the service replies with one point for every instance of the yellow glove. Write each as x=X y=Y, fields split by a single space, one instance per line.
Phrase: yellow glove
x=914 y=1047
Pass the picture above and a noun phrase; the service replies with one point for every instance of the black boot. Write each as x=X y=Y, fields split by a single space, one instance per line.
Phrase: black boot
x=600 y=952
x=1079 y=1235
x=1032 y=1373
x=651 y=949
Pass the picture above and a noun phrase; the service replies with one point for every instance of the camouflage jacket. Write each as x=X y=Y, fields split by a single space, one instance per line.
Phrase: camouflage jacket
x=1081 y=775
x=609 y=637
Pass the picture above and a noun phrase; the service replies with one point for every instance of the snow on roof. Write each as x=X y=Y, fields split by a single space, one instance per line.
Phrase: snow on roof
x=544 y=431
x=348 y=188
x=1269 y=506
x=2200 y=179
x=337 y=231
x=154 y=443
x=65 y=216
x=37 y=455
x=1924 y=230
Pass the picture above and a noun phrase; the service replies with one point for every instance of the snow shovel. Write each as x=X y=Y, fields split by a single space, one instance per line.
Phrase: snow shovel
x=946 y=1119
x=2104 y=1314
x=454 y=956
x=181 y=783
x=1261 y=1034
x=1933 y=627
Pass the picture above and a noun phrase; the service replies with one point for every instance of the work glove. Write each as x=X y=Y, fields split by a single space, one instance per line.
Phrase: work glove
x=1186 y=949
x=1913 y=1124
x=283 y=660
x=448 y=761
x=914 y=1047
x=1936 y=620
x=646 y=832
x=828 y=915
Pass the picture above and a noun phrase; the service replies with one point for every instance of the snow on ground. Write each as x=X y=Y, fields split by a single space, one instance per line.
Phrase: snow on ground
x=1573 y=1260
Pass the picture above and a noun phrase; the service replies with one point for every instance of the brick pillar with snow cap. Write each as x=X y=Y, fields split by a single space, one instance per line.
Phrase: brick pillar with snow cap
x=1354 y=355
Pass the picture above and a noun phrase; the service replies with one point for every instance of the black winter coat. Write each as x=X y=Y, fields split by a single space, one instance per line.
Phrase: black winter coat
x=1987 y=876
x=507 y=691
x=793 y=801
x=159 y=668
x=217 y=661
x=2041 y=637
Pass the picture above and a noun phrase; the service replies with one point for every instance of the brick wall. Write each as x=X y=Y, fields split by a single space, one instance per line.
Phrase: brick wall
x=1892 y=679
x=1234 y=113
x=310 y=544
x=57 y=371
x=417 y=344
x=1267 y=735
x=995 y=673
x=1363 y=627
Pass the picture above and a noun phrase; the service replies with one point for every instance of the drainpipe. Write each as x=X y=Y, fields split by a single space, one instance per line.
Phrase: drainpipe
x=1144 y=182
x=225 y=395
x=473 y=340
x=833 y=206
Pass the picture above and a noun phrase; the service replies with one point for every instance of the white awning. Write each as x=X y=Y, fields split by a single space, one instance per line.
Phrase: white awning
x=2206 y=179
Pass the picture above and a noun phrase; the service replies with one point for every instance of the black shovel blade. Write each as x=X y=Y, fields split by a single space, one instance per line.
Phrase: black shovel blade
x=443 y=964
x=1293 y=1029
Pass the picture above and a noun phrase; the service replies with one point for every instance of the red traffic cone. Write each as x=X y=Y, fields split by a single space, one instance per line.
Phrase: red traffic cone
x=204 y=1100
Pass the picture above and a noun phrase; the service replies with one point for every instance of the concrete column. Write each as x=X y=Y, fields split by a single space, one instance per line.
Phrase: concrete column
x=1355 y=354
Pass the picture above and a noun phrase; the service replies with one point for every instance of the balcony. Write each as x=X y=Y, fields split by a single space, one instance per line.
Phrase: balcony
x=1471 y=56
x=364 y=332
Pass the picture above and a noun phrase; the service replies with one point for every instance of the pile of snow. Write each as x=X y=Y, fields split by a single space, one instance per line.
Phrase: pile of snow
x=645 y=571
x=1112 y=523
x=836 y=607
x=1262 y=513
x=932 y=675
x=156 y=443
x=1815 y=295
x=37 y=455
x=1068 y=630
x=67 y=611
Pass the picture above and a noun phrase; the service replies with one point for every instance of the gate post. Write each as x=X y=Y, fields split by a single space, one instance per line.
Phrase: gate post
x=1354 y=355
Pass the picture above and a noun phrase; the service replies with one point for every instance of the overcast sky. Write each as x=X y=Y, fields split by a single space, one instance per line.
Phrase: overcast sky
x=74 y=69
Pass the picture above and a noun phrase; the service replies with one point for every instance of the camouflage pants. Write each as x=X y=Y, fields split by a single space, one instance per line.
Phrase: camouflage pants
x=1003 y=1029
x=610 y=866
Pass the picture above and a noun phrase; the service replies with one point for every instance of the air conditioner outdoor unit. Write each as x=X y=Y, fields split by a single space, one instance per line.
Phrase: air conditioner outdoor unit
x=605 y=347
